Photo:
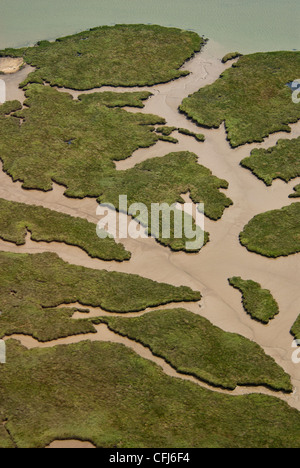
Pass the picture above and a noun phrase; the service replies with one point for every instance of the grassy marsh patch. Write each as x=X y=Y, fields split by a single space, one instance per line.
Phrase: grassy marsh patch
x=257 y=302
x=107 y=394
x=51 y=226
x=231 y=56
x=295 y=330
x=252 y=97
x=279 y=162
x=198 y=136
x=121 y=55
x=164 y=180
x=166 y=131
x=192 y=345
x=296 y=193
x=275 y=233
x=72 y=143
x=31 y=285
x=75 y=144
x=113 y=99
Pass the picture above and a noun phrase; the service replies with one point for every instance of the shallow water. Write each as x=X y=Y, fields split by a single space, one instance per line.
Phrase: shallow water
x=243 y=25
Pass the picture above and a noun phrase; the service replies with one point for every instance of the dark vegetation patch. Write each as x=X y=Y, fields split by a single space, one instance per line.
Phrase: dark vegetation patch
x=251 y=97
x=75 y=144
x=166 y=131
x=279 y=162
x=107 y=394
x=36 y=152
x=50 y=226
x=168 y=139
x=296 y=193
x=112 y=99
x=198 y=136
x=121 y=55
x=257 y=302
x=295 y=330
x=32 y=285
x=275 y=233
x=164 y=180
x=231 y=56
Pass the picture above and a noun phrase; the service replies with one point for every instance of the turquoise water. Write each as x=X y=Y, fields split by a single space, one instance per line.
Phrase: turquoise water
x=244 y=25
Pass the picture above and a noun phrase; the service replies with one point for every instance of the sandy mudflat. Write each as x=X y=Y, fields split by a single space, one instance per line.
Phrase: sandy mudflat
x=223 y=257
x=10 y=65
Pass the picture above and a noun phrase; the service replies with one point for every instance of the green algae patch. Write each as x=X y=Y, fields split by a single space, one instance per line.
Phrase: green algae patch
x=76 y=144
x=113 y=99
x=17 y=219
x=121 y=55
x=252 y=97
x=162 y=181
x=72 y=143
x=231 y=56
x=32 y=285
x=198 y=136
x=106 y=394
x=257 y=302
x=166 y=131
x=168 y=139
x=5 y=439
x=296 y=192
x=192 y=345
x=165 y=179
x=295 y=330
x=279 y=162
x=275 y=233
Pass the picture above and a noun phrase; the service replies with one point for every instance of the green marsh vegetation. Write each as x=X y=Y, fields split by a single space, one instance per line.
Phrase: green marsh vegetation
x=275 y=233
x=198 y=136
x=113 y=99
x=50 y=226
x=8 y=107
x=192 y=345
x=166 y=131
x=279 y=162
x=257 y=302
x=107 y=394
x=295 y=330
x=94 y=391
x=231 y=56
x=168 y=139
x=33 y=286
x=164 y=180
x=121 y=55
x=72 y=143
x=5 y=439
x=165 y=134
x=252 y=97
x=296 y=193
